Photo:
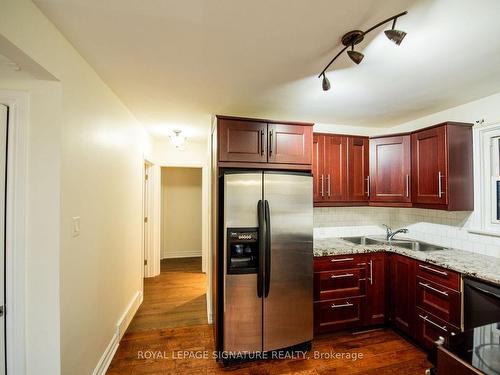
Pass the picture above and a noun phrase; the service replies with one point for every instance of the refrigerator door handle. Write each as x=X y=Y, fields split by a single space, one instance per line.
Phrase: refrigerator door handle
x=262 y=247
x=267 y=248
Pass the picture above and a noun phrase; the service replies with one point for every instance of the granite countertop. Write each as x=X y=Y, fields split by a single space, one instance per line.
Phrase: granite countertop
x=465 y=262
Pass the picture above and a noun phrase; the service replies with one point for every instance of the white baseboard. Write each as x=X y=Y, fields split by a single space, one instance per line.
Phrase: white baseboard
x=129 y=313
x=107 y=356
x=121 y=327
x=182 y=254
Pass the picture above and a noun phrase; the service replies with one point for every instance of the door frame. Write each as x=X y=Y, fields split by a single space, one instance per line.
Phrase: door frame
x=15 y=261
x=205 y=210
x=151 y=233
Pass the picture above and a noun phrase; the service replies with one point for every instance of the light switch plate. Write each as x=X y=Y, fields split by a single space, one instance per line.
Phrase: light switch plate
x=76 y=226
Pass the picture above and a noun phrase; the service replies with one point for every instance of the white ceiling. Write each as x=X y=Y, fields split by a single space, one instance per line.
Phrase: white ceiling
x=173 y=63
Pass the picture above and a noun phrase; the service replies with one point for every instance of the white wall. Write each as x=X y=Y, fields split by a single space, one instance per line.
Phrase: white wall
x=181 y=204
x=101 y=149
x=194 y=154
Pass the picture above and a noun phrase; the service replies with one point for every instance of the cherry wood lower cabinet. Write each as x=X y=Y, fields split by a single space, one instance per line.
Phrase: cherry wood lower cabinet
x=419 y=299
x=349 y=291
x=403 y=293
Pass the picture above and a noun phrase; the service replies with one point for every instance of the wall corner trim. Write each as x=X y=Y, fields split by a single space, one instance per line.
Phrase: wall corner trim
x=121 y=327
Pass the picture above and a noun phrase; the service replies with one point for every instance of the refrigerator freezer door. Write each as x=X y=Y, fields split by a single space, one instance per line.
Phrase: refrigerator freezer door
x=242 y=307
x=288 y=308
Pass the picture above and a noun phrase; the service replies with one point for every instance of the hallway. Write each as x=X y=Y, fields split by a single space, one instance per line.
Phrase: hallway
x=175 y=298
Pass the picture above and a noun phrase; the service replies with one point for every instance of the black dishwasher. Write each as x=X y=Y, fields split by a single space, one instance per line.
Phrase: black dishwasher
x=481 y=303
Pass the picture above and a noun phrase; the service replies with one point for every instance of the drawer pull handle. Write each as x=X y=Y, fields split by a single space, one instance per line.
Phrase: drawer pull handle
x=434 y=289
x=347 y=304
x=433 y=270
x=426 y=319
x=341 y=260
x=341 y=276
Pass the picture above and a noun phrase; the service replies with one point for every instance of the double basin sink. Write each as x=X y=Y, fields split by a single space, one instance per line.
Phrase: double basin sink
x=407 y=244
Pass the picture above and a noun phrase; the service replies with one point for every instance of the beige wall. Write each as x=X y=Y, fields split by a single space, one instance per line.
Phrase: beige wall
x=86 y=155
x=181 y=234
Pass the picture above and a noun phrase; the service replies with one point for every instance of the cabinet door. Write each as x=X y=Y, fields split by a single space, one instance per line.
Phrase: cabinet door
x=377 y=288
x=390 y=166
x=338 y=314
x=429 y=166
x=403 y=293
x=289 y=144
x=318 y=165
x=357 y=168
x=335 y=168
x=244 y=141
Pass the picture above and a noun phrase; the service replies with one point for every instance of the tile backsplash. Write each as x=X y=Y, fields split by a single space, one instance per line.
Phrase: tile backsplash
x=439 y=227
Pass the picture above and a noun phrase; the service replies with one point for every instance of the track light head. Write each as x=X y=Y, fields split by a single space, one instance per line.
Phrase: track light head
x=355 y=56
x=325 y=83
x=395 y=36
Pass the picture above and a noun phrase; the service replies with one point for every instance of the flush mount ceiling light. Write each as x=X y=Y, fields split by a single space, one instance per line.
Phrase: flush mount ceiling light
x=177 y=139
x=355 y=37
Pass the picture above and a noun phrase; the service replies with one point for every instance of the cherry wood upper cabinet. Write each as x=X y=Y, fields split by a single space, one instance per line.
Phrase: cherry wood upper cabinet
x=318 y=165
x=242 y=141
x=390 y=169
x=330 y=169
x=442 y=167
x=253 y=143
x=289 y=144
x=357 y=169
x=335 y=168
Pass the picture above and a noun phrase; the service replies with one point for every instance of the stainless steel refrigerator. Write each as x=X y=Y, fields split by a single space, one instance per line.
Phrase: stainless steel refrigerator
x=267 y=260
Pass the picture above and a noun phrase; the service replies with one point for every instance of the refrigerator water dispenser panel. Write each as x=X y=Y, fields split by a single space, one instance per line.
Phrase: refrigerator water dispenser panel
x=243 y=254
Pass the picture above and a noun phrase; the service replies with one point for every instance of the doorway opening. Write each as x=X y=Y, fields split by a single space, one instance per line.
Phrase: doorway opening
x=177 y=296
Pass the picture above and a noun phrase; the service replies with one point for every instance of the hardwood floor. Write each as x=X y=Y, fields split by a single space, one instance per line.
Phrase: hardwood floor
x=172 y=319
x=176 y=298
x=384 y=352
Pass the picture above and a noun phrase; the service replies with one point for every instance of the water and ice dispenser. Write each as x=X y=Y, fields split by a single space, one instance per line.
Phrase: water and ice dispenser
x=243 y=254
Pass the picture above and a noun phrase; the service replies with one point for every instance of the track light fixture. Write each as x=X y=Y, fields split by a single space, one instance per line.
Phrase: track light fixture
x=356 y=36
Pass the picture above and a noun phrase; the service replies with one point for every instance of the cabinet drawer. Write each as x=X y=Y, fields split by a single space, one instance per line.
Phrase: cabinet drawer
x=339 y=314
x=430 y=328
x=439 y=301
x=439 y=275
x=339 y=262
x=350 y=282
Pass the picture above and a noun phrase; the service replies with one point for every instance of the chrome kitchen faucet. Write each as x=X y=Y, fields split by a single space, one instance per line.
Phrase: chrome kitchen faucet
x=390 y=233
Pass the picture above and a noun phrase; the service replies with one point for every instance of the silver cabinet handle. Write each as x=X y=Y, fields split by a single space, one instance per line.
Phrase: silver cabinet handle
x=407 y=185
x=426 y=319
x=341 y=276
x=341 y=260
x=262 y=142
x=347 y=304
x=329 y=180
x=270 y=143
x=433 y=270
x=432 y=288
x=371 y=272
x=368 y=186
x=322 y=185
x=440 y=184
